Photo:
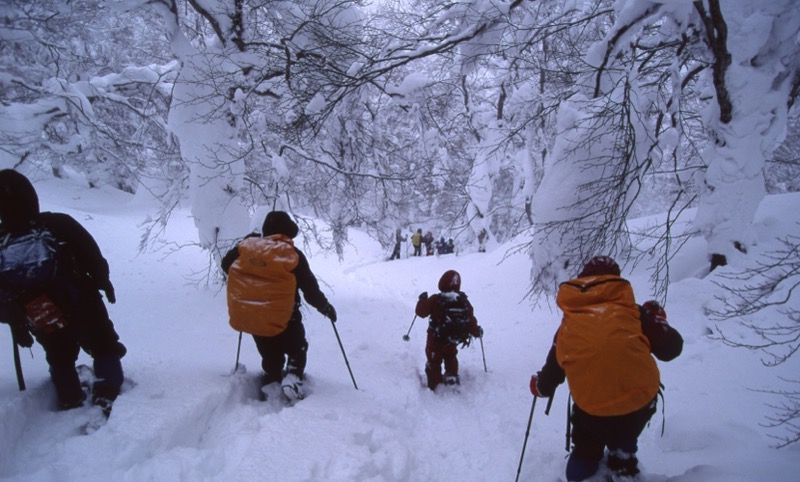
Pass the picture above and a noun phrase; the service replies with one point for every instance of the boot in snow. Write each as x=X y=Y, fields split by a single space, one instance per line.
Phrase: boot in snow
x=292 y=387
x=452 y=380
x=623 y=466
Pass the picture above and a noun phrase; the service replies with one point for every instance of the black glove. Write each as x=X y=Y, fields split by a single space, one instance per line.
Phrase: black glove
x=423 y=296
x=108 y=289
x=479 y=332
x=22 y=336
x=329 y=312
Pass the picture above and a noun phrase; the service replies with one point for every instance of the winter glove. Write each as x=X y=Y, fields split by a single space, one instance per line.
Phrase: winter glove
x=108 y=289
x=535 y=386
x=478 y=333
x=22 y=336
x=423 y=296
x=655 y=311
x=329 y=312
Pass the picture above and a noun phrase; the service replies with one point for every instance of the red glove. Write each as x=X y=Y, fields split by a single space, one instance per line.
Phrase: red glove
x=655 y=311
x=535 y=386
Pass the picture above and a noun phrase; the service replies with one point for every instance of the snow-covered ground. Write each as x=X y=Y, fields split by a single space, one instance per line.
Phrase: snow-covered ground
x=184 y=416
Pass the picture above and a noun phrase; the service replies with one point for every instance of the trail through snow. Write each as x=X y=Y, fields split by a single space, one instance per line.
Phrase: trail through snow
x=186 y=416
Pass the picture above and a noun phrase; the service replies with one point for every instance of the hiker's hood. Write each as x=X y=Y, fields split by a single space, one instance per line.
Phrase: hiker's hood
x=279 y=222
x=450 y=281
x=19 y=204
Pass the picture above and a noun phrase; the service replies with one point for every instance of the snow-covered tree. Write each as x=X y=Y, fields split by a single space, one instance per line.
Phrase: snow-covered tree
x=74 y=104
x=660 y=67
x=755 y=73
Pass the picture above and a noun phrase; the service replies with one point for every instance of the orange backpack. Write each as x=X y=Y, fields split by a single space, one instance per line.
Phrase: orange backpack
x=601 y=347
x=261 y=286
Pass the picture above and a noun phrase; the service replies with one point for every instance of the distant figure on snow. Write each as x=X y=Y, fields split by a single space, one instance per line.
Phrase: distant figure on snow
x=416 y=241
x=399 y=239
x=452 y=322
x=603 y=348
x=444 y=247
x=427 y=240
x=52 y=272
x=265 y=276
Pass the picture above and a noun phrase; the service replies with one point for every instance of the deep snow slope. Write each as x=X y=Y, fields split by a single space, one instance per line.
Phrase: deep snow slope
x=185 y=415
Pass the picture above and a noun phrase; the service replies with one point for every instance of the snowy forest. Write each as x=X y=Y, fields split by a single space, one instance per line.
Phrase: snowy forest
x=542 y=127
x=487 y=120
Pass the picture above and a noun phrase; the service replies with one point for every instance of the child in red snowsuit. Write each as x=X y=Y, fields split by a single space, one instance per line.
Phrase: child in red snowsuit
x=440 y=348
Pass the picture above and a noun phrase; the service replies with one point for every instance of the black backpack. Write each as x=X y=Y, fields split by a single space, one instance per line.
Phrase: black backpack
x=454 y=324
x=37 y=273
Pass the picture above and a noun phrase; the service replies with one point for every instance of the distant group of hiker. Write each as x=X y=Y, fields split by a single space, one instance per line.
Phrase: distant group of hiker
x=418 y=240
x=52 y=273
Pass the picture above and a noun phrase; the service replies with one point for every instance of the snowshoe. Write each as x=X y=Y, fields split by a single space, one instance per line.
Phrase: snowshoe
x=104 y=404
x=97 y=419
x=86 y=376
x=452 y=380
x=622 y=467
x=292 y=388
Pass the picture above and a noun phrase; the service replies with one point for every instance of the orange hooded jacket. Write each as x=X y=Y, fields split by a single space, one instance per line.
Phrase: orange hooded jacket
x=601 y=347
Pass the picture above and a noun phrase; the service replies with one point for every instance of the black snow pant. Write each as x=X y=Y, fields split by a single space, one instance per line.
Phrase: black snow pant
x=592 y=434
x=89 y=328
x=289 y=347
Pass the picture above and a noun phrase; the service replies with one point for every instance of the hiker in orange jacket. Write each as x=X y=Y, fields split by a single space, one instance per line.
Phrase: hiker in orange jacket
x=265 y=276
x=604 y=348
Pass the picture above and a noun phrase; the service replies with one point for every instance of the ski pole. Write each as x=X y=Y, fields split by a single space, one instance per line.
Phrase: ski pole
x=525 y=443
x=483 y=354
x=406 y=337
x=17 y=363
x=336 y=332
x=569 y=424
x=238 y=350
x=550 y=403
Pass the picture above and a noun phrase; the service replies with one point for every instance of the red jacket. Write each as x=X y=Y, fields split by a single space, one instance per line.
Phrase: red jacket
x=430 y=306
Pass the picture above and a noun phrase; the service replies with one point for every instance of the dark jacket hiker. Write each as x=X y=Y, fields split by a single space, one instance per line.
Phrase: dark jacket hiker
x=265 y=277
x=604 y=349
x=68 y=313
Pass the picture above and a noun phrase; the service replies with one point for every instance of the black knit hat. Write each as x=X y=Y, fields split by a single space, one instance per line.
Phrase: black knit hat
x=278 y=222
x=600 y=265
x=19 y=204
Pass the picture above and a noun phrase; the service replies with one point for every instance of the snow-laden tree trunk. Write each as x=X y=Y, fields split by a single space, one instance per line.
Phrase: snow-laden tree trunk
x=581 y=206
x=205 y=124
x=757 y=56
x=591 y=175
x=207 y=134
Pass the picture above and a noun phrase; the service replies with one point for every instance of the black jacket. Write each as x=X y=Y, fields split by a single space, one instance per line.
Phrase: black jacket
x=92 y=266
